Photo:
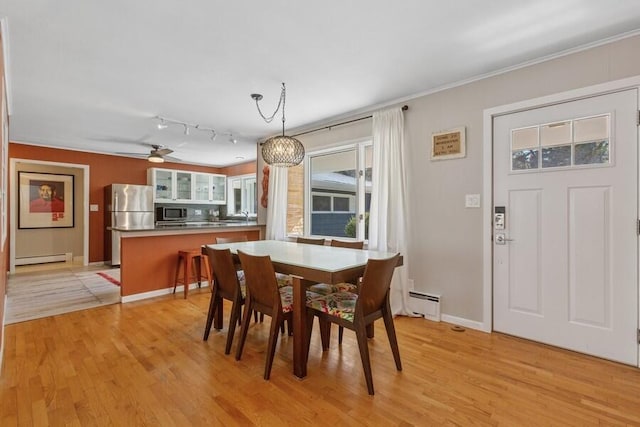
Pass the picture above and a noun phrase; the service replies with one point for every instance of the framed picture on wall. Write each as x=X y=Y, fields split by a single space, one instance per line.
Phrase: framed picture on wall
x=45 y=200
x=449 y=144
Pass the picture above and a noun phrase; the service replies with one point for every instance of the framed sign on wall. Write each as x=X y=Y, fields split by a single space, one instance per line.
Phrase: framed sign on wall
x=449 y=144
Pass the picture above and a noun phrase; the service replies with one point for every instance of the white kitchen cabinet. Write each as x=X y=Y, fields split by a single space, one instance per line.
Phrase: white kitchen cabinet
x=210 y=188
x=177 y=186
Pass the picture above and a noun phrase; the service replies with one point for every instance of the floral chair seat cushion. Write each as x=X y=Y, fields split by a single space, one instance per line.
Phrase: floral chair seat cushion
x=326 y=289
x=283 y=280
x=339 y=304
x=243 y=282
x=286 y=296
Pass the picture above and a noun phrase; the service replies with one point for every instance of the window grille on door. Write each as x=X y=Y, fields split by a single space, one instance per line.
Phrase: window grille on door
x=571 y=143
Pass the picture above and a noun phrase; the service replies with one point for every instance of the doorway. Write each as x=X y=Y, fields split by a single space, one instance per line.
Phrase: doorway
x=565 y=243
x=47 y=244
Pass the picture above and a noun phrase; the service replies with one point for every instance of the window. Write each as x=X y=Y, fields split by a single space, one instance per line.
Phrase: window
x=337 y=193
x=577 y=142
x=241 y=195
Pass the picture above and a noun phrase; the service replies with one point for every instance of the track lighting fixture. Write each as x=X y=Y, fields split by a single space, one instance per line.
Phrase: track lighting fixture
x=164 y=124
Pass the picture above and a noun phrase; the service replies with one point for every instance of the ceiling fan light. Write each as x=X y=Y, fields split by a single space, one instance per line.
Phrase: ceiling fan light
x=155 y=158
x=284 y=151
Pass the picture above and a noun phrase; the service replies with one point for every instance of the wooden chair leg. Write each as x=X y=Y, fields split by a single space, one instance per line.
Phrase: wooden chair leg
x=235 y=314
x=361 y=334
x=340 y=333
x=325 y=333
x=246 y=317
x=212 y=310
x=391 y=334
x=196 y=267
x=276 y=320
x=307 y=337
x=175 y=279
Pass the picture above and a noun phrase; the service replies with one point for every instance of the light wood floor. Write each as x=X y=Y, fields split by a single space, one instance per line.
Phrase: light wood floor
x=145 y=363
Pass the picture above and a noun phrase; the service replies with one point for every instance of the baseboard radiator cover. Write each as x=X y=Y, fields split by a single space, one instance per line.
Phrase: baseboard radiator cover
x=66 y=257
x=425 y=304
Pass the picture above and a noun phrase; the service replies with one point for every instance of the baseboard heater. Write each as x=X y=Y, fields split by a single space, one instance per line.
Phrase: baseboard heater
x=425 y=304
x=66 y=257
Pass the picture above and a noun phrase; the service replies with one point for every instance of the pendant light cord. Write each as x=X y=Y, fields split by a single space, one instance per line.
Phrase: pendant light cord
x=280 y=102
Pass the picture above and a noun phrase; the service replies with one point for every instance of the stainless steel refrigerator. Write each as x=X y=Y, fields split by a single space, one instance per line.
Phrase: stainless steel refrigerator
x=127 y=207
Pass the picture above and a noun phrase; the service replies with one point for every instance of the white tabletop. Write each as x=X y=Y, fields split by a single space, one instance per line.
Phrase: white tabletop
x=325 y=258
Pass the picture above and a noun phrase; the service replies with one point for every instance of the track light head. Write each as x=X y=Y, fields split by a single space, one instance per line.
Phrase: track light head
x=162 y=125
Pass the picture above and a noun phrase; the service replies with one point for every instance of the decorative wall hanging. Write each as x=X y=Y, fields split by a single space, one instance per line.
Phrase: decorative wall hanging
x=448 y=144
x=45 y=200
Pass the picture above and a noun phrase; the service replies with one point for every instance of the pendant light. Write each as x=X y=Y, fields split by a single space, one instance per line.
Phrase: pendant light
x=281 y=150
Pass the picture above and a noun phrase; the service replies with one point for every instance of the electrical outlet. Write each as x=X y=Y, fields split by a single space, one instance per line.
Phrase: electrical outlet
x=93 y=208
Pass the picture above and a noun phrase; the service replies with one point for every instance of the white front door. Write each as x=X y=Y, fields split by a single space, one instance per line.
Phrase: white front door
x=565 y=258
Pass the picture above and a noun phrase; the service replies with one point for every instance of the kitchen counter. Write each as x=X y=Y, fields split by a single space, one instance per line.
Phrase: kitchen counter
x=189 y=228
x=149 y=257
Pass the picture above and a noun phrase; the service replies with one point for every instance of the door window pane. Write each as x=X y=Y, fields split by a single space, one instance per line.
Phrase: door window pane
x=524 y=138
x=591 y=129
x=592 y=153
x=524 y=159
x=554 y=157
x=555 y=134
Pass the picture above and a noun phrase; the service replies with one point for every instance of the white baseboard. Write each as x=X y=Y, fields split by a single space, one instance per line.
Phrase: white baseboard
x=159 y=292
x=471 y=324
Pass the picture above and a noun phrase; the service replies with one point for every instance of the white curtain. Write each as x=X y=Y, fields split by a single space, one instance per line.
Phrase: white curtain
x=277 y=204
x=388 y=215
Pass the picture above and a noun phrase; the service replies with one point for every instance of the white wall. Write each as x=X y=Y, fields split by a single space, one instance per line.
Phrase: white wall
x=445 y=254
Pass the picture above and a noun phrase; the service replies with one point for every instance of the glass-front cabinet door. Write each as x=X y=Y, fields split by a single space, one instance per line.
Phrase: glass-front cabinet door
x=175 y=186
x=218 y=189
x=202 y=183
x=163 y=184
x=183 y=186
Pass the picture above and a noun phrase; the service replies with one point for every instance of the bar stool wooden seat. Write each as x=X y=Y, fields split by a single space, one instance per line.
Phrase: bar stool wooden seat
x=194 y=266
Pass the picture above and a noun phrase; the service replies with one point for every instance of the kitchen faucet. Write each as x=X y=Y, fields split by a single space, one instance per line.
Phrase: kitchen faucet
x=246 y=215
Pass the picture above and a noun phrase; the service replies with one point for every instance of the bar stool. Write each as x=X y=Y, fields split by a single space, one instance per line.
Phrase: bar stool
x=192 y=263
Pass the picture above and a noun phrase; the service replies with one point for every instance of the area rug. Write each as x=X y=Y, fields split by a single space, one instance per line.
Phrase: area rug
x=33 y=296
x=109 y=277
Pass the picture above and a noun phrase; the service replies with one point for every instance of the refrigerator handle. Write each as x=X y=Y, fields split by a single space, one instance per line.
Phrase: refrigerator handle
x=115 y=202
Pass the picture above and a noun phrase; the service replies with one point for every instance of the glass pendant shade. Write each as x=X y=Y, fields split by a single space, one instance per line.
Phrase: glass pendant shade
x=284 y=151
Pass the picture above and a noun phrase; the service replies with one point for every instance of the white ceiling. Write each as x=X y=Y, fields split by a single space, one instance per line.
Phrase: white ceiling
x=92 y=75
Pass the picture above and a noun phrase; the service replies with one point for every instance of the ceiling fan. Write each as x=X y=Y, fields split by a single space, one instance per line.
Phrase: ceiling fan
x=157 y=154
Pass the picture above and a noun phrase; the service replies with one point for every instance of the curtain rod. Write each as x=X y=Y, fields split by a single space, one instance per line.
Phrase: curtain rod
x=404 y=108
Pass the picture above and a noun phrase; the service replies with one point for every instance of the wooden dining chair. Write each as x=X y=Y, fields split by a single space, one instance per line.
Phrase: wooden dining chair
x=232 y=239
x=229 y=285
x=240 y=273
x=326 y=288
x=264 y=296
x=310 y=240
x=353 y=244
x=356 y=311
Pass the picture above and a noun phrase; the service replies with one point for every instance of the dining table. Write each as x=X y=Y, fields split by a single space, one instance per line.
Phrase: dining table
x=307 y=264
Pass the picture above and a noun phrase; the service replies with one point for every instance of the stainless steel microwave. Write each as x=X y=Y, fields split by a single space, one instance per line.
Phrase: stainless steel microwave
x=167 y=213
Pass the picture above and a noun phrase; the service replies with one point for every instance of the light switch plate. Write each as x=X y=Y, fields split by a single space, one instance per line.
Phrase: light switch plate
x=472 y=201
x=93 y=208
